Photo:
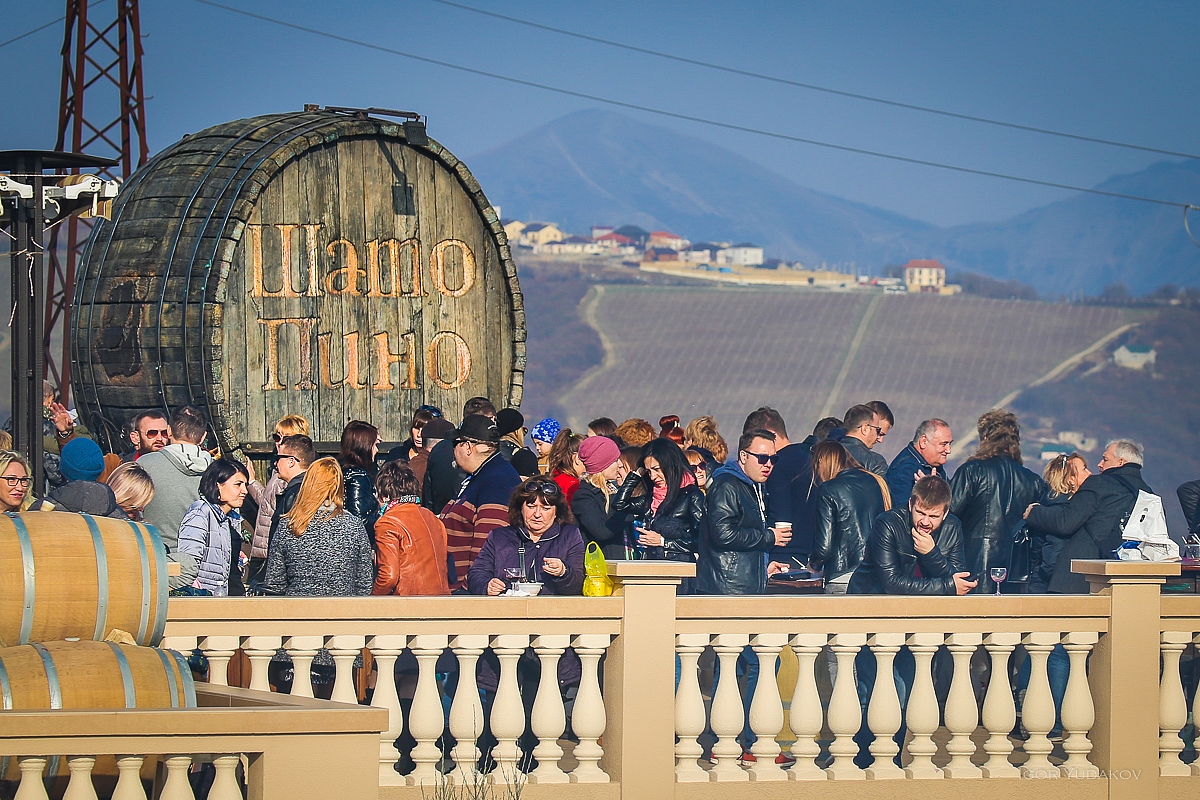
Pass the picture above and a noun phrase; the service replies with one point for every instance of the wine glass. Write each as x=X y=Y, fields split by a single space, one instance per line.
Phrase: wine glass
x=513 y=575
x=998 y=575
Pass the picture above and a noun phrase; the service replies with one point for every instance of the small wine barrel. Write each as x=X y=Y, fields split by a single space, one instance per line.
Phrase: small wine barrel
x=75 y=576
x=52 y=675
x=317 y=263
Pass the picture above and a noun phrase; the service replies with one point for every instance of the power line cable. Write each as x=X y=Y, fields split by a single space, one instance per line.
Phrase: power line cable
x=32 y=32
x=812 y=86
x=686 y=117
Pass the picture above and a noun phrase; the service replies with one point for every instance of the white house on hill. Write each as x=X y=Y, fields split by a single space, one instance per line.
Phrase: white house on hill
x=1134 y=356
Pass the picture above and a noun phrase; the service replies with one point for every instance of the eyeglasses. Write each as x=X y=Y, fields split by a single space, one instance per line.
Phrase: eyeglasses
x=432 y=410
x=541 y=486
x=14 y=481
x=878 y=430
x=762 y=458
x=281 y=457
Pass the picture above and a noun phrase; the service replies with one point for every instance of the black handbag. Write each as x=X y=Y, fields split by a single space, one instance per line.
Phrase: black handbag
x=1020 y=556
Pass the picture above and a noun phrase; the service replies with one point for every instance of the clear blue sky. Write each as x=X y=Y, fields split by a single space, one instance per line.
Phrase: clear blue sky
x=1114 y=70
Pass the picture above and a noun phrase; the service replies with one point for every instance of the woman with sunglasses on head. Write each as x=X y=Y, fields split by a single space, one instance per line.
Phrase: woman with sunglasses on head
x=15 y=483
x=359 y=446
x=409 y=449
x=266 y=495
x=667 y=505
x=1063 y=475
x=847 y=499
x=210 y=537
x=539 y=545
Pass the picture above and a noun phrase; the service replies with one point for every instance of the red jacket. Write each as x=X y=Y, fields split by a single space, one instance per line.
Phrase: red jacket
x=410 y=547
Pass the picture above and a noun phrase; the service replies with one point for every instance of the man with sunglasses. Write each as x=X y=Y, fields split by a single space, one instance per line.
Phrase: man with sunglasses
x=149 y=433
x=733 y=551
x=294 y=455
x=863 y=430
x=482 y=502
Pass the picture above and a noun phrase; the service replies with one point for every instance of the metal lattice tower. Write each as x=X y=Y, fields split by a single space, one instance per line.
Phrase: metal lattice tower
x=102 y=64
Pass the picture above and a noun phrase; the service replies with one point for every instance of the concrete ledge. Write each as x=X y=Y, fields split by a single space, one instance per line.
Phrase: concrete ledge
x=1150 y=569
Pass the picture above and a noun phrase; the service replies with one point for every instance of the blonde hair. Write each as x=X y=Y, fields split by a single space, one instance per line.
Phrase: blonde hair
x=132 y=486
x=5 y=440
x=1058 y=473
x=702 y=432
x=293 y=425
x=600 y=483
x=7 y=457
x=321 y=488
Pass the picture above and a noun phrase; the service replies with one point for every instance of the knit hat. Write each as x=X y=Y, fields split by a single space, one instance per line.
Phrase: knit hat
x=598 y=453
x=525 y=463
x=509 y=420
x=81 y=460
x=546 y=430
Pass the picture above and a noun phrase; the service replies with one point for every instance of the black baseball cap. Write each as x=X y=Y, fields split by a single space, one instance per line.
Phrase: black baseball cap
x=476 y=428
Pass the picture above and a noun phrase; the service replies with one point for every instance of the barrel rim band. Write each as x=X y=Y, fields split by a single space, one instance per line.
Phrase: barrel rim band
x=189 y=684
x=6 y=687
x=126 y=675
x=144 y=621
x=30 y=576
x=51 y=675
x=101 y=577
x=172 y=685
x=160 y=568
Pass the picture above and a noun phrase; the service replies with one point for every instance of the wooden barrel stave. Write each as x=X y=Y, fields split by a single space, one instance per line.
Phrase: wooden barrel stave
x=66 y=576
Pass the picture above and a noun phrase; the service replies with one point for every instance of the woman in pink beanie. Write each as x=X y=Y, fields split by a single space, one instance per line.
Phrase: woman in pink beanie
x=592 y=502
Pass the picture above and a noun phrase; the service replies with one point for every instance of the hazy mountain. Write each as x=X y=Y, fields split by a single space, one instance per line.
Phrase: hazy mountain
x=597 y=167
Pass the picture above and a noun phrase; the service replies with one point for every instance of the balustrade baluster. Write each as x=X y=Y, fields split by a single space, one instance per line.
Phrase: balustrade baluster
x=999 y=709
x=805 y=715
x=588 y=718
x=549 y=718
x=508 y=714
x=344 y=650
x=80 y=786
x=883 y=710
x=302 y=650
x=129 y=783
x=225 y=783
x=962 y=711
x=385 y=650
x=845 y=712
x=689 y=709
x=766 y=709
x=728 y=713
x=1037 y=713
x=218 y=650
x=1078 y=713
x=426 y=719
x=1172 y=705
x=177 y=787
x=466 y=710
x=31 y=786
x=260 y=650
x=922 y=713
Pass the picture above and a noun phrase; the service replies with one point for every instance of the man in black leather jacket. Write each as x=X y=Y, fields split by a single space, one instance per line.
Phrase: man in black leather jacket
x=1189 y=500
x=915 y=549
x=991 y=492
x=736 y=539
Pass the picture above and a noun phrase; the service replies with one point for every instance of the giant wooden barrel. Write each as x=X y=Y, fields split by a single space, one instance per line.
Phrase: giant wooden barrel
x=93 y=675
x=314 y=263
x=66 y=576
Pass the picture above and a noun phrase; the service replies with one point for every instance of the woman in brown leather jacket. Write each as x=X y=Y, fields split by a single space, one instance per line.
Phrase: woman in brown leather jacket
x=410 y=542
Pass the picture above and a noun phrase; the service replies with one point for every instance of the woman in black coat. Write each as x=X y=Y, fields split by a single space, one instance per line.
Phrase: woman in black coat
x=1063 y=475
x=592 y=505
x=360 y=445
x=669 y=510
x=847 y=501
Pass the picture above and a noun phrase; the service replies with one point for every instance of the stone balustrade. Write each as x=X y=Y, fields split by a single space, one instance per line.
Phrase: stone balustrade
x=867 y=694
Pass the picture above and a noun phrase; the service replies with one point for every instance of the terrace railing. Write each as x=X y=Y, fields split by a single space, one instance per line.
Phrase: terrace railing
x=948 y=712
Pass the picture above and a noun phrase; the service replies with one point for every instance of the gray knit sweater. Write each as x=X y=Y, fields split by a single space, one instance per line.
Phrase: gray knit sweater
x=330 y=559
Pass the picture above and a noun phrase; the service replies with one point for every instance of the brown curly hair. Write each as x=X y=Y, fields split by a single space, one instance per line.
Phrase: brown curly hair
x=999 y=435
x=636 y=431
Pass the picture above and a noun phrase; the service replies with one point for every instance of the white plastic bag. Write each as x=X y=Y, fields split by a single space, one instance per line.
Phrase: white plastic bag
x=1147 y=525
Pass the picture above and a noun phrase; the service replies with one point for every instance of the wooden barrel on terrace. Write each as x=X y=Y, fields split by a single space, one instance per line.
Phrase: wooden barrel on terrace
x=75 y=576
x=316 y=263
x=78 y=675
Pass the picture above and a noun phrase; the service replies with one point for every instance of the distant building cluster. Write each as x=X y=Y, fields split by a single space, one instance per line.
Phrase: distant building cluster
x=630 y=241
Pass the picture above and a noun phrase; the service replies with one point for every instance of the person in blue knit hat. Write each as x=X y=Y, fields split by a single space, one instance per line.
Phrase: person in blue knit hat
x=82 y=462
x=543 y=435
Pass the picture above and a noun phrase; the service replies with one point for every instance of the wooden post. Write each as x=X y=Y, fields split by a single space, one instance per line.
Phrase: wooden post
x=638 y=675
x=1124 y=674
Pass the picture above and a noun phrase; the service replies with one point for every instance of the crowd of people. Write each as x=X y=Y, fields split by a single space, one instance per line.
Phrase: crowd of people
x=483 y=505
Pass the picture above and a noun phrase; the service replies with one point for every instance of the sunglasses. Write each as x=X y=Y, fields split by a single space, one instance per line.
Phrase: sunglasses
x=13 y=481
x=878 y=430
x=277 y=436
x=762 y=458
x=152 y=434
x=433 y=410
x=543 y=487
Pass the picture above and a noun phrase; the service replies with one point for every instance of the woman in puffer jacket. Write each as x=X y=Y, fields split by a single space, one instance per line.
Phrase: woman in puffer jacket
x=670 y=509
x=210 y=535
